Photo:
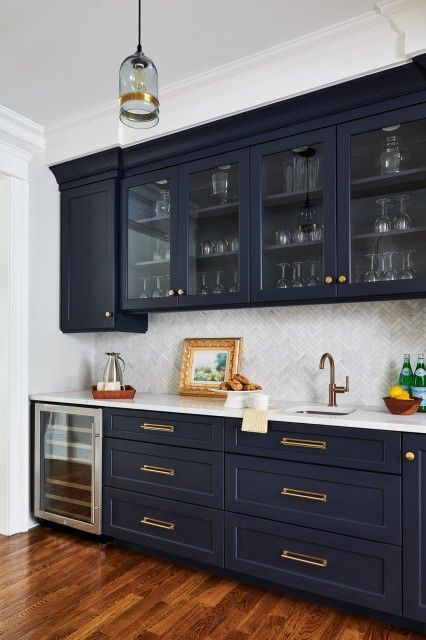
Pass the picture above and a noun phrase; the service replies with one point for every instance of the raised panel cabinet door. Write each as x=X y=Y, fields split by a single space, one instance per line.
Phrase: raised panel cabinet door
x=293 y=210
x=381 y=214
x=88 y=236
x=414 y=526
x=214 y=231
x=149 y=242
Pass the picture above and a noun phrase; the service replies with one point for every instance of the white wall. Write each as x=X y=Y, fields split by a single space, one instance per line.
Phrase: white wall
x=4 y=343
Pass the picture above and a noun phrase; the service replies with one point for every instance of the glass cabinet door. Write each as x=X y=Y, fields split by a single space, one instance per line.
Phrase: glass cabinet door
x=67 y=465
x=383 y=187
x=214 y=206
x=293 y=218
x=149 y=240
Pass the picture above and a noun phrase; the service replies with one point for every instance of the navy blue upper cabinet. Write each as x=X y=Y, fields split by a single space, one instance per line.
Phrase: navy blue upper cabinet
x=381 y=204
x=149 y=240
x=214 y=231
x=89 y=261
x=293 y=182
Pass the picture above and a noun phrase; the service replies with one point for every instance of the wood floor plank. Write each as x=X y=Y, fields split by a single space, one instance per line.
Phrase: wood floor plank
x=57 y=586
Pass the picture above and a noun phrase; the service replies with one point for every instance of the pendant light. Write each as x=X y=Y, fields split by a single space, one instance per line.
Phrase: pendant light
x=139 y=105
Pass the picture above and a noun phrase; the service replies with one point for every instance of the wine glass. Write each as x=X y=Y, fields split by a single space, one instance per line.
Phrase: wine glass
x=313 y=281
x=371 y=275
x=203 y=288
x=390 y=273
x=144 y=293
x=283 y=283
x=383 y=223
x=157 y=293
x=282 y=237
x=235 y=287
x=162 y=206
x=219 y=286
x=382 y=271
x=297 y=280
x=402 y=222
x=408 y=271
x=206 y=248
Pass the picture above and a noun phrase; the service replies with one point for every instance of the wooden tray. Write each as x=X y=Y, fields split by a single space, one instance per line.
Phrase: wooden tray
x=128 y=393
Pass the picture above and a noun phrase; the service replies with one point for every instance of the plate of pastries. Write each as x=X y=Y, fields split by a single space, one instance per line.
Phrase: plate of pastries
x=238 y=389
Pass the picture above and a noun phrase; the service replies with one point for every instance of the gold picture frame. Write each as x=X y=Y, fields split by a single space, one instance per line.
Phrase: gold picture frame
x=206 y=363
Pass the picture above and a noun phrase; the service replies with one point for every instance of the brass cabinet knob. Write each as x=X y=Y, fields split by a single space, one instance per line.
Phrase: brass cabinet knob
x=172 y=292
x=342 y=279
x=409 y=456
x=108 y=314
x=181 y=292
x=328 y=279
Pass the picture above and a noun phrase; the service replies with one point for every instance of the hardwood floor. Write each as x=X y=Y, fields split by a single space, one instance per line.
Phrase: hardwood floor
x=54 y=586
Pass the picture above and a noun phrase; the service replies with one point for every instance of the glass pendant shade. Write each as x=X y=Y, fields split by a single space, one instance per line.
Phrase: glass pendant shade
x=139 y=104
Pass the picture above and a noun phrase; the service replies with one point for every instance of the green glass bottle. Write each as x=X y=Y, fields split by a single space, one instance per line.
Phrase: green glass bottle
x=406 y=377
x=418 y=389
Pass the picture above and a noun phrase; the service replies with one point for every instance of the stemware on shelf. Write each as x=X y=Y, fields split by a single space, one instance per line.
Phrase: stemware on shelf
x=220 y=246
x=393 y=155
x=158 y=292
x=383 y=223
x=297 y=280
x=218 y=286
x=300 y=236
x=316 y=233
x=144 y=293
x=390 y=273
x=282 y=237
x=314 y=280
x=372 y=275
x=207 y=248
x=162 y=206
x=408 y=271
x=166 y=252
x=381 y=258
x=402 y=221
x=235 y=287
x=283 y=282
x=157 y=255
x=288 y=172
x=203 y=288
x=234 y=244
x=220 y=185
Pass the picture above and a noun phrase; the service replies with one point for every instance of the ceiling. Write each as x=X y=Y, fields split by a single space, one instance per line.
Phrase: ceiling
x=61 y=57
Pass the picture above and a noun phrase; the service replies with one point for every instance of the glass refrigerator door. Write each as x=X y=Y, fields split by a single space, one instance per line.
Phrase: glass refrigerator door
x=67 y=480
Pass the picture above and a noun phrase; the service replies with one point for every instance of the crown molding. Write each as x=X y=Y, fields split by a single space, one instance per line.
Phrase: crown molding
x=353 y=48
x=21 y=127
x=408 y=18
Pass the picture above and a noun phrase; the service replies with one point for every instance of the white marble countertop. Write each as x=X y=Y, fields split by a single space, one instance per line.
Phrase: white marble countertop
x=362 y=417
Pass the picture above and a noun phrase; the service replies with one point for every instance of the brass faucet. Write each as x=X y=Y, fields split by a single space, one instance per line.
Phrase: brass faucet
x=333 y=389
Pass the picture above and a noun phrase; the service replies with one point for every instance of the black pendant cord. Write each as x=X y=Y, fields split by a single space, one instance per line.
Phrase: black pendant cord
x=139 y=28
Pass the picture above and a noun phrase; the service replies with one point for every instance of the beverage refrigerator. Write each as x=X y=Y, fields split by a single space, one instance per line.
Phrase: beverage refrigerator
x=68 y=466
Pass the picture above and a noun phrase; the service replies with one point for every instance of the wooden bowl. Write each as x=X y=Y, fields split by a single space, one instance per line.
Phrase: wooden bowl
x=402 y=407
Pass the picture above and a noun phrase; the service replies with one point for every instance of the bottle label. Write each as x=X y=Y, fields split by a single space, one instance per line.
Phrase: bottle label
x=406 y=371
x=419 y=392
x=420 y=372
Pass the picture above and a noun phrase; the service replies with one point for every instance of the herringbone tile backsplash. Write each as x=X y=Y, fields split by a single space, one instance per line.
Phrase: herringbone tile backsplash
x=282 y=347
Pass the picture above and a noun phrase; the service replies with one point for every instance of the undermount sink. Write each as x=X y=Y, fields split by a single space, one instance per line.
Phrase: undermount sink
x=322 y=410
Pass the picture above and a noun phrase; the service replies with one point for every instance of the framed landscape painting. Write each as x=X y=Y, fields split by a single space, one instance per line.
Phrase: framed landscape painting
x=206 y=363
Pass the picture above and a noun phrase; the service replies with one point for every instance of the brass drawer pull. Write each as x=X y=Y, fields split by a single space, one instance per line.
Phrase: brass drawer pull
x=162 y=470
x=300 y=557
x=307 y=495
x=310 y=444
x=147 y=426
x=153 y=522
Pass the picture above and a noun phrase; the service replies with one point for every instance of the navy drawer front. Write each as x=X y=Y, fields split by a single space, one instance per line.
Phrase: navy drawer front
x=358 y=571
x=356 y=503
x=337 y=446
x=173 y=527
x=182 y=474
x=200 y=432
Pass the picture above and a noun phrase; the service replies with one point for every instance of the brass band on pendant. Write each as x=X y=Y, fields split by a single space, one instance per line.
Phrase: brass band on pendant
x=139 y=95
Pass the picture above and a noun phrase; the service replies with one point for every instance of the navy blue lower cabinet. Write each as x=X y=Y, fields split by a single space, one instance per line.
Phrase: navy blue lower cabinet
x=367 y=449
x=199 y=432
x=357 y=503
x=414 y=519
x=181 y=474
x=358 y=571
x=172 y=527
